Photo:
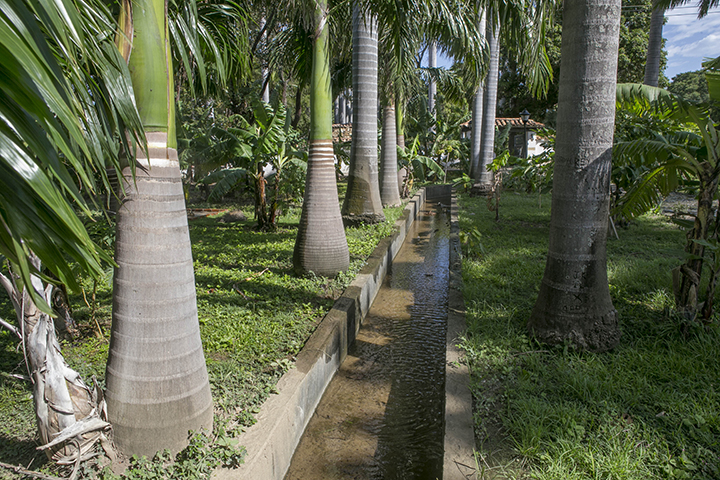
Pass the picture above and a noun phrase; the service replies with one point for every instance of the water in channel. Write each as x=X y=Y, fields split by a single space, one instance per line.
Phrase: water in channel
x=381 y=417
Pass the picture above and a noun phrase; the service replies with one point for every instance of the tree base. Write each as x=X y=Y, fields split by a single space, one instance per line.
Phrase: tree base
x=481 y=189
x=352 y=220
x=598 y=333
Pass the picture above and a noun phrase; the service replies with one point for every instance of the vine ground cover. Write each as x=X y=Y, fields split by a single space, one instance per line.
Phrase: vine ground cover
x=648 y=409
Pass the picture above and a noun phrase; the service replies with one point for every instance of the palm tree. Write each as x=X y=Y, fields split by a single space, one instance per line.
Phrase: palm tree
x=321 y=246
x=477 y=117
x=389 y=187
x=652 y=65
x=522 y=28
x=157 y=383
x=362 y=200
x=483 y=177
x=404 y=26
x=574 y=302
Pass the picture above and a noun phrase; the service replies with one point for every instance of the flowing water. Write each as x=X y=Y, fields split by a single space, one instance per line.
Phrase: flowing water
x=381 y=417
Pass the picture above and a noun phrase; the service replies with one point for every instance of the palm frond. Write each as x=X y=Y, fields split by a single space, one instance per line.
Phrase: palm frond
x=65 y=102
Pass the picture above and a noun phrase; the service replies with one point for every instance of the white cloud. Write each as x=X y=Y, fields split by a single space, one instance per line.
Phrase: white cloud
x=689 y=40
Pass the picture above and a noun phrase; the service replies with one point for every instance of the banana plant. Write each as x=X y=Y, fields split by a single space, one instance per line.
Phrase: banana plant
x=670 y=160
x=253 y=151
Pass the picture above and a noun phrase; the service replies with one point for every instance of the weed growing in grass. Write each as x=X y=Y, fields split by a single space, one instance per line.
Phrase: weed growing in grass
x=648 y=409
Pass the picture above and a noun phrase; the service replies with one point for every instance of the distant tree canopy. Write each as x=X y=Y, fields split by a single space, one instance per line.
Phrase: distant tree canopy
x=514 y=96
x=693 y=87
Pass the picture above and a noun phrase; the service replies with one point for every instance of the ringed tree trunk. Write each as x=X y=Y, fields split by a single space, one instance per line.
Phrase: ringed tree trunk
x=389 y=189
x=362 y=203
x=483 y=177
x=403 y=173
x=321 y=246
x=157 y=382
x=477 y=120
x=652 y=64
x=574 y=302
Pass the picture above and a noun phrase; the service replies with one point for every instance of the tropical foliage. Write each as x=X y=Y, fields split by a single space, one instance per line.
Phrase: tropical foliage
x=688 y=156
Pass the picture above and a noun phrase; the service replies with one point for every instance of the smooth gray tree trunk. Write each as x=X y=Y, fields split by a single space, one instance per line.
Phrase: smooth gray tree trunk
x=362 y=200
x=477 y=120
x=389 y=189
x=652 y=65
x=265 y=71
x=484 y=178
x=574 y=302
x=432 y=86
x=157 y=382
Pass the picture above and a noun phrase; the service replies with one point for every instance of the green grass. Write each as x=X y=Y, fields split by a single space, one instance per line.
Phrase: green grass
x=648 y=409
x=254 y=315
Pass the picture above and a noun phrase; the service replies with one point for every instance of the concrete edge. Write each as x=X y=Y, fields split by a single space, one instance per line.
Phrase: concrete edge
x=282 y=419
x=459 y=461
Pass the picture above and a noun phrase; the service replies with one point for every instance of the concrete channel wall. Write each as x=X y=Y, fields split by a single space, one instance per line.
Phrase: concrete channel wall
x=282 y=419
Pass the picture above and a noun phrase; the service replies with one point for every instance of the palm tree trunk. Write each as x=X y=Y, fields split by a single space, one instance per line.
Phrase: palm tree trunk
x=652 y=65
x=574 y=303
x=477 y=120
x=298 y=106
x=321 y=246
x=362 y=200
x=484 y=178
x=389 y=189
x=432 y=86
x=157 y=383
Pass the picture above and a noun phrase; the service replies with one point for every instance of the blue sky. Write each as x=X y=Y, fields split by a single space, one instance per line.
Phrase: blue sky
x=689 y=40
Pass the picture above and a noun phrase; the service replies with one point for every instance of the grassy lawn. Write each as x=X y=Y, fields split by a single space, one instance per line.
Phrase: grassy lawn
x=254 y=314
x=648 y=409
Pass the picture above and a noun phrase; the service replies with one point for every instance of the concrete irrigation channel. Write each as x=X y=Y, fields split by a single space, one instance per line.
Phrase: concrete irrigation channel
x=399 y=406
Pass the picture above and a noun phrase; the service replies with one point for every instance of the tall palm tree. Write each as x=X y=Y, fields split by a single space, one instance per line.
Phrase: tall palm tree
x=574 y=302
x=321 y=245
x=652 y=65
x=477 y=116
x=389 y=187
x=484 y=177
x=362 y=200
x=520 y=26
x=157 y=383
x=404 y=25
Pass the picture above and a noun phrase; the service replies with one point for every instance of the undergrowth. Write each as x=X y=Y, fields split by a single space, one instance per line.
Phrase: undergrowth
x=648 y=409
x=255 y=315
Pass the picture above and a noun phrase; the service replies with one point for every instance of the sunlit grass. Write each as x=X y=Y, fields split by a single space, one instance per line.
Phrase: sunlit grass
x=255 y=315
x=648 y=409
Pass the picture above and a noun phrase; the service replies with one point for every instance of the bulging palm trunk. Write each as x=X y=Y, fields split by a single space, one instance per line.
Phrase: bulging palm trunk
x=362 y=199
x=652 y=65
x=157 y=383
x=574 y=302
x=389 y=190
x=484 y=178
x=321 y=245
